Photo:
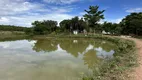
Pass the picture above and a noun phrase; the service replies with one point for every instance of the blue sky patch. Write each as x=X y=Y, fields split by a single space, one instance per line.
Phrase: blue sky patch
x=23 y=12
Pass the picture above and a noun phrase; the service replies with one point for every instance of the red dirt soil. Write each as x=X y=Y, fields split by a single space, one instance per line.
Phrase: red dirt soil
x=137 y=73
x=138 y=70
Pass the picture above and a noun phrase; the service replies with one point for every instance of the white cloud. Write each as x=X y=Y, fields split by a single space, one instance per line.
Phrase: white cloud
x=134 y=10
x=82 y=13
x=26 y=20
x=23 y=13
x=12 y=7
x=56 y=9
x=118 y=20
x=101 y=22
x=4 y=19
x=61 y=1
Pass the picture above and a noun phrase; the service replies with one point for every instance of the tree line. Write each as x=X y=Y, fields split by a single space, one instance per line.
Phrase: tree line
x=130 y=25
x=11 y=28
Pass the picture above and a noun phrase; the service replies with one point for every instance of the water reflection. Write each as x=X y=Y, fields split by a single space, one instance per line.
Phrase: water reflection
x=51 y=59
x=89 y=50
x=90 y=59
x=104 y=54
x=102 y=49
x=74 y=47
x=46 y=45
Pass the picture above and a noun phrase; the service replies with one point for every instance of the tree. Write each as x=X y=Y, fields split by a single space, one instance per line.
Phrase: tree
x=132 y=24
x=28 y=31
x=107 y=26
x=113 y=28
x=82 y=25
x=11 y=28
x=73 y=24
x=93 y=16
x=65 y=25
x=44 y=27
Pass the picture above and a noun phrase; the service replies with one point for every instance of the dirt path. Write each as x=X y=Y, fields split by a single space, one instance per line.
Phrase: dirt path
x=137 y=74
x=138 y=71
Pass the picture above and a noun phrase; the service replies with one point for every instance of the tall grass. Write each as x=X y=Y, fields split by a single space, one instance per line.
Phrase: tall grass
x=12 y=35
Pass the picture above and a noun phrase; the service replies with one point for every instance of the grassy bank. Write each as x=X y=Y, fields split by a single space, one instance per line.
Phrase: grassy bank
x=113 y=69
x=12 y=35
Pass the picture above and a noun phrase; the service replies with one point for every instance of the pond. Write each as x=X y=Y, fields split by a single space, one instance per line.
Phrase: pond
x=52 y=58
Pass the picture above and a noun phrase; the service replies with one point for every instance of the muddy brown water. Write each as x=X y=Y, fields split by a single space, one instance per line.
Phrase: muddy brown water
x=52 y=59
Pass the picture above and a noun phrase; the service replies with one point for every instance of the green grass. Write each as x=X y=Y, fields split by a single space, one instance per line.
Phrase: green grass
x=12 y=35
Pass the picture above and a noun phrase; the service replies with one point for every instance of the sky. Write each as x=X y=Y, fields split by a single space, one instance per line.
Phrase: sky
x=24 y=12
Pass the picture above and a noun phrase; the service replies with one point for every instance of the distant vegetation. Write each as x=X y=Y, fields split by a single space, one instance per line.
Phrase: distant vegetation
x=89 y=23
x=44 y=27
x=132 y=24
x=73 y=24
x=11 y=28
x=8 y=32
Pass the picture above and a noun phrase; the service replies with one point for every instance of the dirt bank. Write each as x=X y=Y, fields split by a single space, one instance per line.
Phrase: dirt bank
x=137 y=73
